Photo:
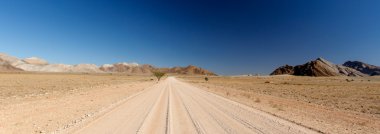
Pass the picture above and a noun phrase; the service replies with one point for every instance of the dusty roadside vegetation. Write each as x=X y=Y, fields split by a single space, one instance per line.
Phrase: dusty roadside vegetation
x=44 y=103
x=326 y=104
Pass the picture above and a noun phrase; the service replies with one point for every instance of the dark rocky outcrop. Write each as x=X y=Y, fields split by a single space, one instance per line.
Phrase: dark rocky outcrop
x=375 y=73
x=283 y=70
x=318 y=67
x=363 y=67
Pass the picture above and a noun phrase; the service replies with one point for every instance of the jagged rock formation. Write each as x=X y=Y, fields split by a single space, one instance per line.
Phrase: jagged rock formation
x=318 y=67
x=283 y=70
x=363 y=67
x=349 y=71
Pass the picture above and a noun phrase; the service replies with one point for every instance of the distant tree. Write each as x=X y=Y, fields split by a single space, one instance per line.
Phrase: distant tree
x=159 y=75
x=206 y=79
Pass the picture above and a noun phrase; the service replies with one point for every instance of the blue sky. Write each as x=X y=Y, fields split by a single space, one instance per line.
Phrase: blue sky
x=227 y=37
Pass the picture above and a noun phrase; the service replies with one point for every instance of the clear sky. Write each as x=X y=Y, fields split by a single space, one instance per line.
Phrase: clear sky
x=227 y=37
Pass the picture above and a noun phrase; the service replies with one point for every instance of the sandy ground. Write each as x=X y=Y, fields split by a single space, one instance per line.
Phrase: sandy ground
x=44 y=103
x=175 y=107
x=326 y=104
x=104 y=103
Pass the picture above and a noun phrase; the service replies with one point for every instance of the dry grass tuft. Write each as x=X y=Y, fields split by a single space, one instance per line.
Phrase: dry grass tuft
x=257 y=100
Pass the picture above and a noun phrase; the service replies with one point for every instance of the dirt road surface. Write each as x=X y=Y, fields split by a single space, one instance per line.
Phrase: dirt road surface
x=172 y=106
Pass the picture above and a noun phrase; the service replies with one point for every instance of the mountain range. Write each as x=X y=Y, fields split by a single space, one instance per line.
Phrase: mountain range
x=33 y=64
x=363 y=67
x=322 y=67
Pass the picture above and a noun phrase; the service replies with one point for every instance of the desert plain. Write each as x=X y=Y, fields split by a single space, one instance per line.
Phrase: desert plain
x=68 y=102
x=325 y=104
x=50 y=102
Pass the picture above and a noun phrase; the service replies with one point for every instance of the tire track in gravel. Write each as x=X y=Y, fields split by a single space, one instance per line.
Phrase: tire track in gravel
x=175 y=107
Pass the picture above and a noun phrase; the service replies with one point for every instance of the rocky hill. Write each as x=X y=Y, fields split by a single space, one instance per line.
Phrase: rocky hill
x=189 y=70
x=318 y=67
x=34 y=64
x=363 y=67
x=286 y=69
x=6 y=67
x=131 y=68
x=134 y=68
x=35 y=61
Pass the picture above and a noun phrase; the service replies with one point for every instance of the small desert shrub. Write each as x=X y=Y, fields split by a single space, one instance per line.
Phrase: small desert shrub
x=278 y=107
x=268 y=81
x=228 y=93
x=206 y=79
x=285 y=83
x=159 y=75
x=246 y=95
x=257 y=100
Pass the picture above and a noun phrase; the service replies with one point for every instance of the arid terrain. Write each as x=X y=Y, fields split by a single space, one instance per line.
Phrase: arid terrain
x=43 y=103
x=325 y=104
x=172 y=106
x=105 y=103
x=120 y=103
x=189 y=67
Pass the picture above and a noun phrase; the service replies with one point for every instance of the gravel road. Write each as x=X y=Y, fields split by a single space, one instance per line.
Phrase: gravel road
x=172 y=106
